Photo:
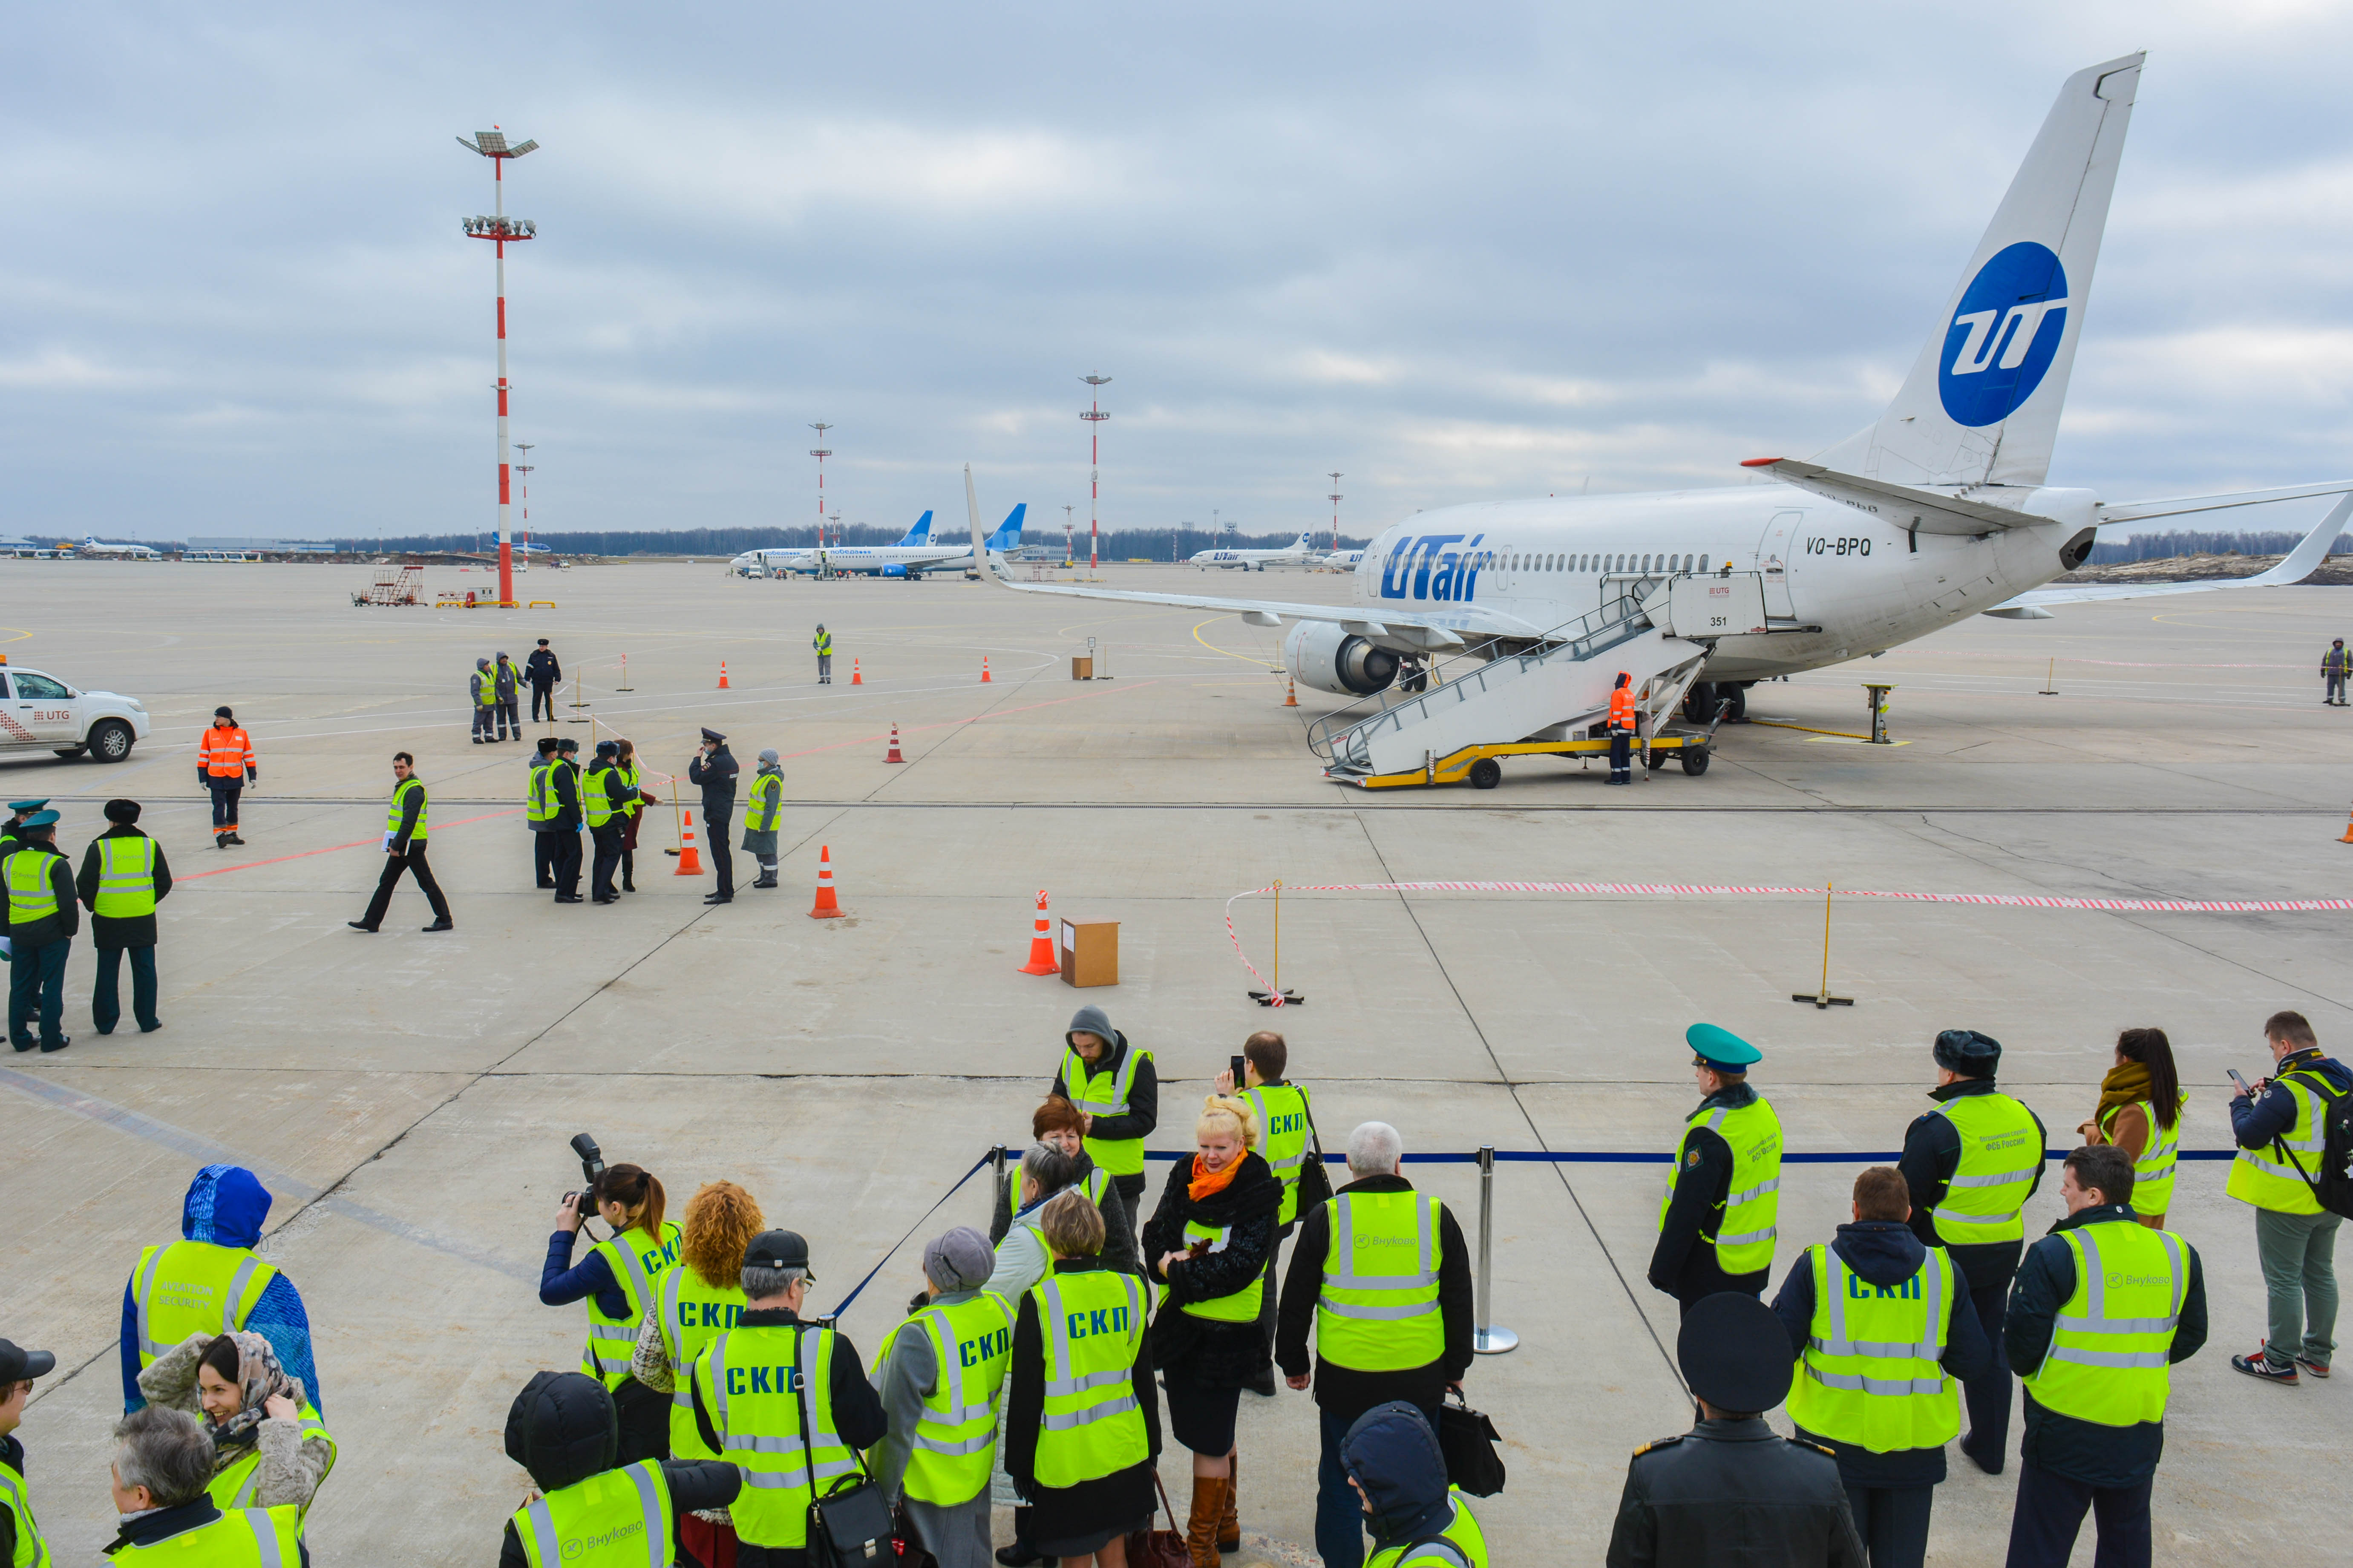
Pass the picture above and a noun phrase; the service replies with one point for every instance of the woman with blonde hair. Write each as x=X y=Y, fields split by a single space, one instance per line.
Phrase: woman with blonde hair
x=2141 y=1112
x=1206 y=1245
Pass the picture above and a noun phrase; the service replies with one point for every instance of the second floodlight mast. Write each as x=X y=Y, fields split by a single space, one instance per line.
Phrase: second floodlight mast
x=1094 y=417
x=1336 y=498
x=500 y=229
x=821 y=452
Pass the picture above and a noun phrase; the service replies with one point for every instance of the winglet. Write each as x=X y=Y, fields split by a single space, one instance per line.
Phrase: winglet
x=1758 y=462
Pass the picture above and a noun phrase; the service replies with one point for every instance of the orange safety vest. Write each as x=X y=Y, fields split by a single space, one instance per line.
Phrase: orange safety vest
x=1621 y=708
x=225 y=752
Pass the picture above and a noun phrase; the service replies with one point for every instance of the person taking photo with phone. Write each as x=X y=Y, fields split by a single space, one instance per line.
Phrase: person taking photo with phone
x=2280 y=1129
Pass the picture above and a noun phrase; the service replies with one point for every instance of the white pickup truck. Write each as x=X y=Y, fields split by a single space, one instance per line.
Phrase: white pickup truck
x=40 y=712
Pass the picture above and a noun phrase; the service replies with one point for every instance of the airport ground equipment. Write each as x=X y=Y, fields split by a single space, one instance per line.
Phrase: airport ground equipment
x=1879 y=690
x=39 y=713
x=395 y=585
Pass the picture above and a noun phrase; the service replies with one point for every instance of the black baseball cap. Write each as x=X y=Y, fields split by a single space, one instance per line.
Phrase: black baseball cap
x=16 y=1365
x=779 y=1249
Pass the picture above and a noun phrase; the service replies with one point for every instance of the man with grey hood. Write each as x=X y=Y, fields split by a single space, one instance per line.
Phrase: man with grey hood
x=954 y=1315
x=1115 y=1085
x=761 y=814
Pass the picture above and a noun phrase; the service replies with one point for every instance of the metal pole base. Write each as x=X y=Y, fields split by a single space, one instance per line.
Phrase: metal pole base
x=1824 y=1000
x=1493 y=1341
x=1290 y=998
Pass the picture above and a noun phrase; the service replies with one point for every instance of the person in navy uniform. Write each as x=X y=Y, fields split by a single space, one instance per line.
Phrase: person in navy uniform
x=1684 y=1262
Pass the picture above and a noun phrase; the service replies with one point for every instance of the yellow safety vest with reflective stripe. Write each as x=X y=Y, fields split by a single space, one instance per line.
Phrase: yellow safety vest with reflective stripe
x=767 y=804
x=1870 y=1373
x=1094 y=1330
x=823 y=643
x=1242 y=1305
x=755 y=1383
x=248 y=1538
x=632 y=780
x=31 y=1551
x=193 y=1287
x=399 y=793
x=596 y=796
x=637 y=1262
x=232 y=1485
x=1101 y=1093
x=126 y=878
x=2263 y=1176
x=539 y=800
x=2153 y=1168
x=2001 y=1152
x=1095 y=1183
x=31 y=895
x=1281 y=1112
x=617 y=1519
x=2108 y=1362
x=1461 y=1545
x=693 y=1314
x=954 y=1444
x=1378 y=1310
x=486 y=689
x=1747 y=1221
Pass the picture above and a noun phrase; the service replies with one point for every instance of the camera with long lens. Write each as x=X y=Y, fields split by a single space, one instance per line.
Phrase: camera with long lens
x=592 y=1171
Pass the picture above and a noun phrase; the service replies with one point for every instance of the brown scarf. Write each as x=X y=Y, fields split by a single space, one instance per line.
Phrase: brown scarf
x=2126 y=1084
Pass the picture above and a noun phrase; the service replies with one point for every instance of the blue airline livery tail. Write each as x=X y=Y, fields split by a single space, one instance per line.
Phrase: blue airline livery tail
x=921 y=533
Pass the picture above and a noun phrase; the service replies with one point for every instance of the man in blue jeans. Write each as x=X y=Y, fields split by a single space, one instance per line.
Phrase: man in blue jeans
x=1380 y=1335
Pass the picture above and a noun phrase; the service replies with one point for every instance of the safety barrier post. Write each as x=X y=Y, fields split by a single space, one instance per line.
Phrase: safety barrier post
x=1488 y=1340
x=996 y=1185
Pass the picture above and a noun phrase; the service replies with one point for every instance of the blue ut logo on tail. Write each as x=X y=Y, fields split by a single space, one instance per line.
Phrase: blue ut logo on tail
x=2004 y=335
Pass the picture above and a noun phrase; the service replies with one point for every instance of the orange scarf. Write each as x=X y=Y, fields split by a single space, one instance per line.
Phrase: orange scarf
x=1205 y=1182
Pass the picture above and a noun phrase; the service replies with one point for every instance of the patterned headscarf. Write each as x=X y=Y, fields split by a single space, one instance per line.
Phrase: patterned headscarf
x=258 y=1376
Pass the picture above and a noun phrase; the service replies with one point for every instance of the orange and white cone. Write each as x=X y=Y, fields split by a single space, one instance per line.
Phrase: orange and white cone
x=984 y=669
x=1041 y=947
x=855 y=678
x=2349 y=834
x=723 y=675
x=690 y=859
x=894 y=756
x=826 y=908
x=1290 y=694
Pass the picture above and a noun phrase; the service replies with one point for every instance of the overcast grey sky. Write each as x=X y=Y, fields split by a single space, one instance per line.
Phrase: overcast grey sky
x=1456 y=252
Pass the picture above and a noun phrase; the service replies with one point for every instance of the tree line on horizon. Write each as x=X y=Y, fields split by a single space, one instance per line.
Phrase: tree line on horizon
x=1116 y=544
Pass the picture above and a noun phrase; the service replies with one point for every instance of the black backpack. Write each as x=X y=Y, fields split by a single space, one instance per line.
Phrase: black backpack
x=2332 y=1184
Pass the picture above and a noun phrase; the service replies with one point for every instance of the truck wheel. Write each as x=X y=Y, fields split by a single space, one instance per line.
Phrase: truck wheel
x=1694 y=761
x=110 y=740
x=1486 y=774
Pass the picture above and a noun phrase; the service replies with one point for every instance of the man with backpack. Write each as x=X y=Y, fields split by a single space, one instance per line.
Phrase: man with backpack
x=2294 y=1133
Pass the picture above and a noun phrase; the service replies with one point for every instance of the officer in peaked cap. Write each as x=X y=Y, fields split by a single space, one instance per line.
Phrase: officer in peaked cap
x=17 y=811
x=1732 y=1487
x=1716 y=1221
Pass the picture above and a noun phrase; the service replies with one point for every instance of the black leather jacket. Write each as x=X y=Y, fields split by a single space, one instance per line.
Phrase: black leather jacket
x=1733 y=1491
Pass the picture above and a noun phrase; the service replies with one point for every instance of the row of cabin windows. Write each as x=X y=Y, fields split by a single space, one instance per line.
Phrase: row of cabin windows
x=1515 y=561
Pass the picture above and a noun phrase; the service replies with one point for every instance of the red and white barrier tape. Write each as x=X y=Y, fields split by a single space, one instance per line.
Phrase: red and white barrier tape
x=1696 y=890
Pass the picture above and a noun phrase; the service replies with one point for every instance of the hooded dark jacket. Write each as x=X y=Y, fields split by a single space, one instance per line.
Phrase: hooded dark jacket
x=1143 y=1090
x=227 y=1205
x=562 y=1429
x=1201 y=1350
x=1394 y=1456
x=1885 y=1253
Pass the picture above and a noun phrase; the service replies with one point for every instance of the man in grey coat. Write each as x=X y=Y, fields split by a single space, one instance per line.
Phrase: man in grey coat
x=956 y=1267
x=508 y=689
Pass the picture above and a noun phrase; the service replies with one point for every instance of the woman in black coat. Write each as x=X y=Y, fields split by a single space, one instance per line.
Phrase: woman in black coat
x=1206 y=1243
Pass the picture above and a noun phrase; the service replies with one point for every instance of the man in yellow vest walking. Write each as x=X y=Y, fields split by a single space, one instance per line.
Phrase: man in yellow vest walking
x=1716 y=1223
x=1970 y=1165
x=123 y=876
x=2281 y=1134
x=404 y=827
x=2102 y=1307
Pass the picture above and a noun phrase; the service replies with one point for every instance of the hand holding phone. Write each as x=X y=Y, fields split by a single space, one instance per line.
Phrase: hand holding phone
x=1240 y=1070
x=2243 y=1087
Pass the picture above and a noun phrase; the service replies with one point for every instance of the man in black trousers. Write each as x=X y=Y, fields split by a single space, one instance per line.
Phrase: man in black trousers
x=715 y=770
x=541 y=670
x=565 y=780
x=404 y=850
x=123 y=876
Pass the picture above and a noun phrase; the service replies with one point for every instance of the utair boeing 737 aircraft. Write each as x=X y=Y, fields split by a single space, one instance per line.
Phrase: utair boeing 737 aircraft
x=1937 y=511
x=1291 y=554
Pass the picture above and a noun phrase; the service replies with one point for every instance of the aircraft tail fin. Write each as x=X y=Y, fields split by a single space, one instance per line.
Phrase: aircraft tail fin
x=1009 y=532
x=921 y=533
x=1982 y=403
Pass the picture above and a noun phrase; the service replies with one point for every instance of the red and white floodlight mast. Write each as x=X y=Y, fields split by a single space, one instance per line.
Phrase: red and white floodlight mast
x=1067 y=527
x=522 y=475
x=820 y=452
x=1336 y=499
x=500 y=229
x=1094 y=417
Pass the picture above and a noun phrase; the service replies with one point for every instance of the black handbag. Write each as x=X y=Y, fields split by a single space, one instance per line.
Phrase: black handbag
x=850 y=1524
x=1468 y=1440
x=1314 y=1180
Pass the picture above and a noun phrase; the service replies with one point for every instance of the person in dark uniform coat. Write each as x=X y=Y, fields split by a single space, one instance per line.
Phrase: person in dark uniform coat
x=542 y=671
x=1732 y=1489
x=564 y=782
x=714 y=769
x=1684 y=1261
x=113 y=935
x=18 y=810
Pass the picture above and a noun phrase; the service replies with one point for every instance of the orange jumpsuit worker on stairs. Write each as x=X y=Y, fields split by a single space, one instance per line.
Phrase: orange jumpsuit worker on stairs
x=224 y=766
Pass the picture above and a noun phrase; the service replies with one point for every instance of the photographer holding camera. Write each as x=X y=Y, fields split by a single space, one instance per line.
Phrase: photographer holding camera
x=619 y=1279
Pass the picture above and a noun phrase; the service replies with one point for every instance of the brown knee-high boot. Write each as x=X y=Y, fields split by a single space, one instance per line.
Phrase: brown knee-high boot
x=1201 y=1532
x=1229 y=1522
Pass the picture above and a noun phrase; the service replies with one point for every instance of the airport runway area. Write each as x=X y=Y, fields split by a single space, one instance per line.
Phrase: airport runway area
x=407 y=1096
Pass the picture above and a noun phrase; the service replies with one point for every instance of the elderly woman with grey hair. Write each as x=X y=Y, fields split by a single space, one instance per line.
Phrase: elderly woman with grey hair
x=270 y=1444
x=942 y=1379
x=162 y=1462
x=761 y=814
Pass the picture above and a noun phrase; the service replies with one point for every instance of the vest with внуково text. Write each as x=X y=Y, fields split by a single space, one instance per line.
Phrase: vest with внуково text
x=1747 y=1221
x=693 y=1314
x=614 y=1518
x=2001 y=1152
x=2110 y=1356
x=954 y=1444
x=193 y=1287
x=636 y=1261
x=1460 y=1545
x=1092 y=1326
x=1282 y=1125
x=1378 y=1309
x=1101 y=1093
x=753 y=1383
x=2266 y=1177
x=1869 y=1375
x=248 y=1538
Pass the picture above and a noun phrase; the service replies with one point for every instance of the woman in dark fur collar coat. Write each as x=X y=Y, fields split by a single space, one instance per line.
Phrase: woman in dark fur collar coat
x=1205 y=1245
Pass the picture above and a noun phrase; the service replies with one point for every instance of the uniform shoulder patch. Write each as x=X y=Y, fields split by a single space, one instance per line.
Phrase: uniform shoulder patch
x=1658 y=1442
x=1691 y=1157
x=1816 y=1448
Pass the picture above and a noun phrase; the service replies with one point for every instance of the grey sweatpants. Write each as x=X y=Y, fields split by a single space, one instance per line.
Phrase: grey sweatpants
x=2299 y=1258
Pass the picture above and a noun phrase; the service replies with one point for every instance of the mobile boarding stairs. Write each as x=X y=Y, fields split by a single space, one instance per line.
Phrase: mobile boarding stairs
x=1549 y=695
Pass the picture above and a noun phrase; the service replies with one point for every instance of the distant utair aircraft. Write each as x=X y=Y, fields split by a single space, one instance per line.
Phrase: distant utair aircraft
x=1291 y=554
x=1936 y=512
x=93 y=545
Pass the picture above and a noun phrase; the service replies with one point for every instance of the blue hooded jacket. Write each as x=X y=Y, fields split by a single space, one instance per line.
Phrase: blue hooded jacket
x=1392 y=1454
x=225 y=1205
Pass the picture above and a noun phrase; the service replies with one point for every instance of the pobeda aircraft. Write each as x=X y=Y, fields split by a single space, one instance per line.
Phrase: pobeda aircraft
x=911 y=558
x=1937 y=511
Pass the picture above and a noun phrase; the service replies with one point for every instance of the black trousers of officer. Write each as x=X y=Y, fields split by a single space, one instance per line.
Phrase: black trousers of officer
x=36 y=987
x=542 y=858
x=106 y=994
x=543 y=697
x=715 y=819
x=1987 y=1395
x=565 y=852
x=608 y=860
x=394 y=865
x=226 y=793
x=1702 y=1277
x=2050 y=1515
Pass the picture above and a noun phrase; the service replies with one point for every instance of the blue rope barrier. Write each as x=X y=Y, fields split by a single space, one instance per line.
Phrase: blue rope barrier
x=912 y=1229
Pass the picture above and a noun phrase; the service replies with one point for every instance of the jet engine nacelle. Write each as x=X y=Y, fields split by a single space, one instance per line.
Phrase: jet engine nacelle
x=1320 y=654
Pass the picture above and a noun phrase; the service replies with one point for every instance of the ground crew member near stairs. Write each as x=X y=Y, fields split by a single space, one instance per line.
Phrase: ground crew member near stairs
x=484 y=687
x=587 y=1511
x=2335 y=666
x=2102 y=1307
x=543 y=671
x=603 y=800
x=1284 y=1120
x=1716 y=1222
x=2283 y=1128
x=224 y=766
x=162 y=1462
x=1970 y=1165
x=1623 y=724
x=509 y=692
x=123 y=876
x=404 y=825
x=1882 y=1326
x=1115 y=1086
x=713 y=769
x=942 y=1379
x=21 y=1545
x=762 y=813
x=785 y=1401
x=1732 y=1488
x=823 y=643
x=564 y=784
x=40 y=920
x=210 y=1281
x=539 y=812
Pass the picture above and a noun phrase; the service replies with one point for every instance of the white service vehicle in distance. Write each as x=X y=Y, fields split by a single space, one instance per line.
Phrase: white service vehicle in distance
x=40 y=712
x=1225 y=559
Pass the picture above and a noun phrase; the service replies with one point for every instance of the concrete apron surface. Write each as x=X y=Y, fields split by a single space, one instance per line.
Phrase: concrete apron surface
x=407 y=1096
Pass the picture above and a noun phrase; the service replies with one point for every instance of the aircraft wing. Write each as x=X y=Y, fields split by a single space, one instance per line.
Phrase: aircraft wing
x=2299 y=563
x=1435 y=630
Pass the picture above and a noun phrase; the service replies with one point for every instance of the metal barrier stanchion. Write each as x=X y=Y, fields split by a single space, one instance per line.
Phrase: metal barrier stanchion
x=1488 y=1340
x=996 y=1185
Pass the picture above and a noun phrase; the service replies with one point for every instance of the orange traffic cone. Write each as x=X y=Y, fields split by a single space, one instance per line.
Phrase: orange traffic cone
x=1290 y=694
x=723 y=675
x=894 y=756
x=690 y=861
x=855 y=678
x=1041 y=947
x=984 y=669
x=826 y=908
x=2349 y=834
